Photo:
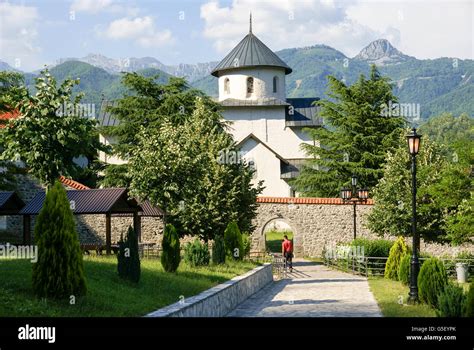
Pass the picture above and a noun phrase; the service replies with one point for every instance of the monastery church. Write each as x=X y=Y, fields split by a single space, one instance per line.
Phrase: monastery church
x=267 y=126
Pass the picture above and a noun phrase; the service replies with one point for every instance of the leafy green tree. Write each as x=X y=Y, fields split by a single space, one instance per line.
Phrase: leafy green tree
x=128 y=257
x=46 y=139
x=59 y=272
x=391 y=213
x=11 y=90
x=355 y=139
x=448 y=129
x=149 y=104
x=177 y=167
x=171 y=254
x=444 y=190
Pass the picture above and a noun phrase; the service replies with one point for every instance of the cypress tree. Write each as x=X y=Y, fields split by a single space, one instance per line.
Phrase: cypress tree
x=218 y=250
x=128 y=257
x=233 y=241
x=432 y=280
x=398 y=250
x=59 y=272
x=170 y=257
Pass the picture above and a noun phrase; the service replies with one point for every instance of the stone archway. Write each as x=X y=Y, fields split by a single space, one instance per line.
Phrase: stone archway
x=315 y=222
x=297 y=237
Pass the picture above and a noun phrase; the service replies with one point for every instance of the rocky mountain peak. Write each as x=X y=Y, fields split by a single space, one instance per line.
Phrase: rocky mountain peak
x=381 y=52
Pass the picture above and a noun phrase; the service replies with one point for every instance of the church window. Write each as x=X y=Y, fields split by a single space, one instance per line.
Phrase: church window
x=227 y=86
x=275 y=84
x=249 y=85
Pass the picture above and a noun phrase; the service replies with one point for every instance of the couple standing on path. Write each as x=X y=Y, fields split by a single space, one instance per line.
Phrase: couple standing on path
x=287 y=251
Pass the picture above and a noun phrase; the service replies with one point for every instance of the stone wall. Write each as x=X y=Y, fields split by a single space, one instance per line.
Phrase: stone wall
x=222 y=299
x=317 y=225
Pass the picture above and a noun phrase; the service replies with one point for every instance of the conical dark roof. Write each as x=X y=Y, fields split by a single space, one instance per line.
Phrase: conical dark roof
x=250 y=52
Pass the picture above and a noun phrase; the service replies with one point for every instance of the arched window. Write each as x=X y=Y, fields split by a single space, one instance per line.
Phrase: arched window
x=227 y=86
x=275 y=84
x=249 y=85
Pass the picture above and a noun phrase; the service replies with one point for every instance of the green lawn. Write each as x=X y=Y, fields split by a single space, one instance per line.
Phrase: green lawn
x=388 y=294
x=107 y=294
x=273 y=240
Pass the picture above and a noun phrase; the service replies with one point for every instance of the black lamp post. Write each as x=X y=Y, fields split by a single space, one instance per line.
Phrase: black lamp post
x=413 y=147
x=354 y=196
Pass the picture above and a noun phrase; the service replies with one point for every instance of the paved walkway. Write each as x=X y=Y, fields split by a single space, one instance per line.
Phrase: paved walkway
x=312 y=290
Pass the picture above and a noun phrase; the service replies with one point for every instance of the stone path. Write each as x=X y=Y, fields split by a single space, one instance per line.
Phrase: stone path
x=312 y=290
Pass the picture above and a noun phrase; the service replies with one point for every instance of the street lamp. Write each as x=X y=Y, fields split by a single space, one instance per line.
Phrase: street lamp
x=414 y=141
x=354 y=196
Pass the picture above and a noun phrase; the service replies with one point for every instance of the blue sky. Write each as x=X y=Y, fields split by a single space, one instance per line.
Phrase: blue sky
x=34 y=33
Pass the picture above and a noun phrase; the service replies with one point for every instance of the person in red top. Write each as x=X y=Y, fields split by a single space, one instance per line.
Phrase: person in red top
x=287 y=251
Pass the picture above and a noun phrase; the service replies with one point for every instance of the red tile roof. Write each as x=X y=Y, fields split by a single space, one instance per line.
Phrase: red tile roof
x=6 y=116
x=306 y=200
x=73 y=184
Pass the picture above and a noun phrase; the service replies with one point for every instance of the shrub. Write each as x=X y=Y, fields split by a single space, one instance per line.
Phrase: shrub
x=373 y=247
x=246 y=244
x=233 y=241
x=404 y=269
x=432 y=280
x=128 y=259
x=196 y=253
x=451 y=302
x=469 y=310
x=397 y=251
x=170 y=256
x=218 y=250
x=59 y=271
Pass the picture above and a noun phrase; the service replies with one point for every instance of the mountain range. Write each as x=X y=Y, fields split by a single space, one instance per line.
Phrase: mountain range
x=437 y=85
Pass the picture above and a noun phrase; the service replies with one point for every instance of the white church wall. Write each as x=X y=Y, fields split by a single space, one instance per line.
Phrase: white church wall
x=268 y=124
x=109 y=140
x=267 y=169
x=263 y=83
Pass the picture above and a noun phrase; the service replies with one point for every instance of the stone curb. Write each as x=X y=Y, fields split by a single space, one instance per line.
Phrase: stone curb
x=221 y=299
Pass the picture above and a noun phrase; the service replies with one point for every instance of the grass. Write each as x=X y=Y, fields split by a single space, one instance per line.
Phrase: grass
x=389 y=293
x=107 y=294
x=273 y=240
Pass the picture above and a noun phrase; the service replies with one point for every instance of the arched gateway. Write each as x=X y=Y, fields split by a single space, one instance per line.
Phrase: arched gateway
x=315 y=222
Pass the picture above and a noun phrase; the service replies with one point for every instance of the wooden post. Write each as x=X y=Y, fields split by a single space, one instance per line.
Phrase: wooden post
x=137 y=226
x=108 y=234
x=26 y=230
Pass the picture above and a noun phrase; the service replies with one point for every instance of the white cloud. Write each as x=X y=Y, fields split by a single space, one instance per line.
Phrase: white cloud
x=97 y=6
x=18 y=40
x=424 y=29
x=141 y=30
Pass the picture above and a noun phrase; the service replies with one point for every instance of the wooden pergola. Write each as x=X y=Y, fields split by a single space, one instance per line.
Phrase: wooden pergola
x=107 y=201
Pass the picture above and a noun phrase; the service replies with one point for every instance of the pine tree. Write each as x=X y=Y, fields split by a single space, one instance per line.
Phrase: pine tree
x=170 y=256
x=355 y=139
x=59 y=272
x=128 y=257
